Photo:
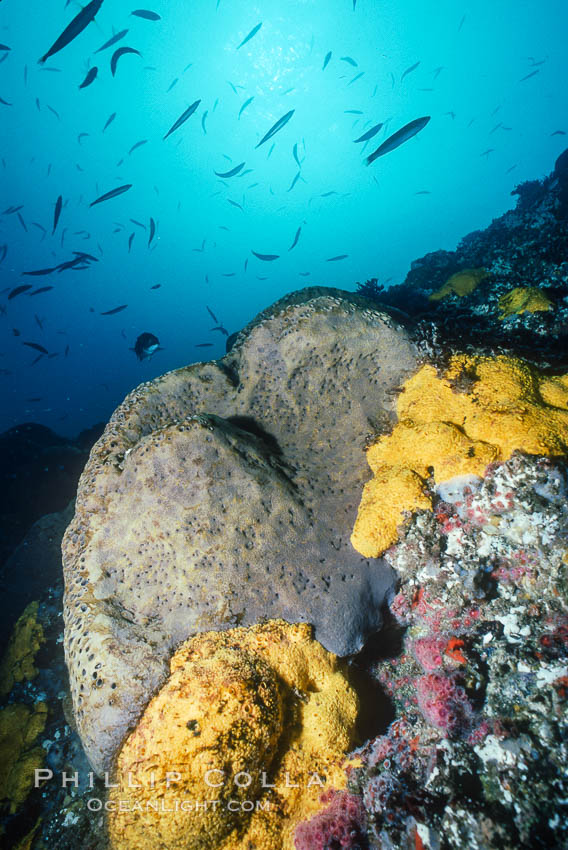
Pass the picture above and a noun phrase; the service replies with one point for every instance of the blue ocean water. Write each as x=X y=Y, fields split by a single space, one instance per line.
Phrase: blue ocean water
x=490 y=75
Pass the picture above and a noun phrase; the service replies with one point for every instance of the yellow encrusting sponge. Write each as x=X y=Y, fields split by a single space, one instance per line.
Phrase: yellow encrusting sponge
x=480 y=411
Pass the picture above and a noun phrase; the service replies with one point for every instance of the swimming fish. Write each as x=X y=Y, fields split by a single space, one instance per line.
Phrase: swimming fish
x=172 y=84
x=36 y=347
x=294 y=181
x=339 y=257
x=203 y=345
x=91 y=76
x=410 y=70
x=115 y=310
x=183 y=118
x=112 y=40
x=156 y=286
x=232 y=172
x=222 y=329
x=130 y=241
x=39 y=272
x=295 y=154
x=212 y=314
x=245 y=104
x=326 y=60
x=18 y=291
x=349 y=60
x=110 y=119
x=370 y=133
x=57 y=213
x=74 y=29
x=251 y=34
x=40 y=290
x=528 y=76
x=122 y=51
x=296 y=237
x=152 y=231
x=146 y=345
x=146 y=14
x=112 y=194
x=355 y=78
x=138 y=145
x=276 y=127
x=82 y=136
x=266 y=257
x=235 y=204
x=204 y=116
x=407 y=132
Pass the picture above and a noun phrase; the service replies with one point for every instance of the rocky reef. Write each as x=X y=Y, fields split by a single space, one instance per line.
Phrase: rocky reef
x=518 y=303
x=326 y=572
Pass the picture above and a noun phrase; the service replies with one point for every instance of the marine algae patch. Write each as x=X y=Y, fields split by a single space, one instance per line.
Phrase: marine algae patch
x=482 y=410
x=251 y=725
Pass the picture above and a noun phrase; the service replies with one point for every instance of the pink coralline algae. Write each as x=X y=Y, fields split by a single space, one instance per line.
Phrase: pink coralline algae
x=340 y=826
x=444 y=703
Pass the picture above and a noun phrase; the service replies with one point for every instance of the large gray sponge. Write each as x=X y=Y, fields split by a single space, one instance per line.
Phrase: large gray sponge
x=225 y=493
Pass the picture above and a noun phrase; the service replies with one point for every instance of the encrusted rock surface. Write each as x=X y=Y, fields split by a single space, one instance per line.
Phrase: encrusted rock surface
x=223 y=494
x=477 y=755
